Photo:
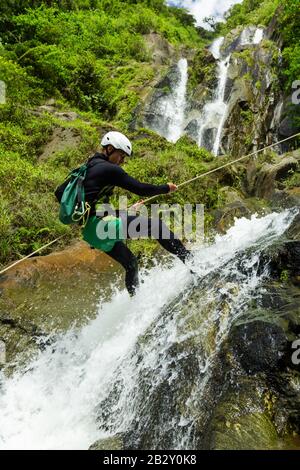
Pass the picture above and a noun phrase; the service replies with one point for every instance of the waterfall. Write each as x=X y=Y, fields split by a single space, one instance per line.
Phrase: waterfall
x=277 y=114
x=214 y=113
x=258 y=36
x=166 y=113
x=215 y=48
x=107 y=376
x=169 y=110
x=275 y=124
x=251 y=35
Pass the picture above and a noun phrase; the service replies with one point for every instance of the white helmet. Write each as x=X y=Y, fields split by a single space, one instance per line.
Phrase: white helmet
x=118 y=141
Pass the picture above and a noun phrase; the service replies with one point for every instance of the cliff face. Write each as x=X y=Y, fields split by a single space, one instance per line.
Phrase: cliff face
x=259 y=111
x=234 y=93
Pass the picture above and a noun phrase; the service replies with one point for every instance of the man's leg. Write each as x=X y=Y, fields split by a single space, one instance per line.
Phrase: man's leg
x=162 y=233
x=126 y=258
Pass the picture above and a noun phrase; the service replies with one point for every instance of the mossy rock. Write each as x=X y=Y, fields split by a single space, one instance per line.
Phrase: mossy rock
x=202 y=70
x=109 y=443
x=245 y=418
x=253 y=431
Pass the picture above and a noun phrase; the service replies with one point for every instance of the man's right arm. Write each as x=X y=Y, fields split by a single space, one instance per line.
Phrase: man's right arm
x=123 y=180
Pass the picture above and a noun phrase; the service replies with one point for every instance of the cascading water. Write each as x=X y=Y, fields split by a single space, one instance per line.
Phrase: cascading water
x=125 y=370
x=275 y=124
x=251 y=35
x=214 y=113
x=169 y=110
x=215 y=48
x=166 y=112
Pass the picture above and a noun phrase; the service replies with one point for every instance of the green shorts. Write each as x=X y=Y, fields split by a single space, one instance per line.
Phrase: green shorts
x=103 y=233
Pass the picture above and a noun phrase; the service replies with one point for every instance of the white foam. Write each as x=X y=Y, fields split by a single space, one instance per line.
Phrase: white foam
x=52 y=405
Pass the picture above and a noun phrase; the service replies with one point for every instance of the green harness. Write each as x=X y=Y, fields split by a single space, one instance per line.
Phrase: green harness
x=103 y=233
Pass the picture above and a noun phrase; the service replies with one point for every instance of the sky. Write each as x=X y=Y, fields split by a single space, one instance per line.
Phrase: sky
x=203 y=8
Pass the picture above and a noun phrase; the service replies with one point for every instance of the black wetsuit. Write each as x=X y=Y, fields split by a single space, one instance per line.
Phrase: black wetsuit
x=101 y=178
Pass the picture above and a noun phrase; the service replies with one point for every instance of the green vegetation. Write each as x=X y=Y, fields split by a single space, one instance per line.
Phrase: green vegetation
x=286 y=33
x=293 y=179
x=256 y=12
x=202 y=69
x=284 y=275
x=94 y=58
x=91 y=58
x=261 y=12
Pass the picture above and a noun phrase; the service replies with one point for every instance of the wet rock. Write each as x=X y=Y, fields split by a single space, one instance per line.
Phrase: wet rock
x=259 y=346
x=47 y=294
x=286 y=257
x=231 y=40
x=288 y=123
x=208 y=137
x=250 y=431
x=272 y=31
x=251 y=416
x=109 y=443
x=285 y=199
x=293 y=231
x=201 y=87
x=270 y=173
x=48 y=108
x=224 y=218
x=251 y=78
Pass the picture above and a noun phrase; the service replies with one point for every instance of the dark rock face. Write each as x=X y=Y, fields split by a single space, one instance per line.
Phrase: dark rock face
x=208 y=138
x=270 y=173
x=192 y=129
x=293 y=232
x=223 y=218
x=259 y=346
x=259 y=112
x=288 y=123
x=152 y=114
x=19 y=338
x=287 y=257
x=251 y=95
x=159 y=48
x=272 y=29
x=202 y=63
x=264 y=181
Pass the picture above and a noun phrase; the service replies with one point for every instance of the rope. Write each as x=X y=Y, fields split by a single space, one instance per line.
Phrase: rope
x=28 y=256
x=153 y=197
x=226 y=164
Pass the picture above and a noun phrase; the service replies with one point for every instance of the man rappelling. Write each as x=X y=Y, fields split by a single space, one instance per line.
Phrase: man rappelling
x=95 y=181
